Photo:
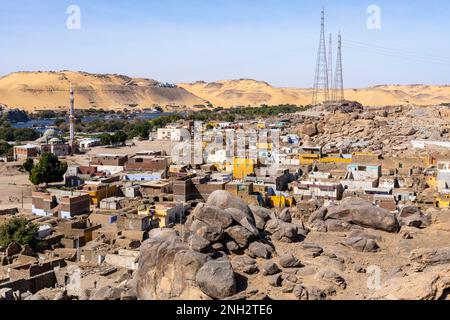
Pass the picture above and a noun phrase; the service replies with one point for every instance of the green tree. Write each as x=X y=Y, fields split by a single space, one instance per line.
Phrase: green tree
x=20 y=231
x=6 y=149
x=28 y=165
x=48 y=170
x=105 y=139
x=119 y=137
x=59 y=122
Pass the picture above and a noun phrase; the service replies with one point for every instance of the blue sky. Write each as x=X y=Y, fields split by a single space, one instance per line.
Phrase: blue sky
x=188 y=40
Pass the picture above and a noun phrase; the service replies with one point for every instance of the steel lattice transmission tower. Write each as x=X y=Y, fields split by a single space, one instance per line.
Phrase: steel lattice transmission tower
x=321 y=85
x=339 y=77
x=330 y=69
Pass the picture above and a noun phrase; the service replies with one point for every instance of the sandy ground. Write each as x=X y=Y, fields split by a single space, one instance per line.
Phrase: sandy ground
x=230 y=93
x=13 y=186
x=49 y=90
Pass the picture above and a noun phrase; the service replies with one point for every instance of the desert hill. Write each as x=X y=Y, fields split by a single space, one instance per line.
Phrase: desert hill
x=250 y=92
x=50 y=90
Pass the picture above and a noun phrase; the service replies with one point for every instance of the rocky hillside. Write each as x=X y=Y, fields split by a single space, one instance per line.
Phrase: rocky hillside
x=50 y=90
x=229 y=250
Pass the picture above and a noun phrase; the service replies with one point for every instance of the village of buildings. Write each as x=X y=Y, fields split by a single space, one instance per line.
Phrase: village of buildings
x=306 y=206
x=93 y=225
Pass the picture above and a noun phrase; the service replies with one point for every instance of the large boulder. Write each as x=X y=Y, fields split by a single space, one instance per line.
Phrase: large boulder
x=271 y=268
x=285 y=215
x=411 y=216
x=212 y=234
x=430 y=285
x=216 y=279
x=318 y=215
x=440 y=218
x=430 y=257
x=167 y=268
x=225 y=200
x=212 y=216
x=282 y=231
x=238 y=215
x=308 y=129
x=333 y=225
x=196 y=225
x=312 y=250
x=330 y=276
x=240 y=235
x=258 y=250
x=199 y=244
x=360 y=212
x=247 y=224
x=362 y=244
x=108 y=293
x=288 y=260
x=245 y=264
x=261 y=216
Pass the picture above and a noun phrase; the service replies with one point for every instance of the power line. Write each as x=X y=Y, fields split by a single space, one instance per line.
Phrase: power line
x=395 y=53
x=399 y=49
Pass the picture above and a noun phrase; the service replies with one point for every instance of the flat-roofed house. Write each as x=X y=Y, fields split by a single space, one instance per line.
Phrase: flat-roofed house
x=43 y=204
x=147 y=163
x=74 y=206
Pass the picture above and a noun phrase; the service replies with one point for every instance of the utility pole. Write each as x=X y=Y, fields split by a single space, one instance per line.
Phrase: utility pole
x=321 y=82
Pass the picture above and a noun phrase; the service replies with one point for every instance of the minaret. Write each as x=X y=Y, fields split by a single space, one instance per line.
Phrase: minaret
x=72 y=121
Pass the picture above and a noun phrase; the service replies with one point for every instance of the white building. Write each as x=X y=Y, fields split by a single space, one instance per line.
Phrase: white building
x=172 y=134
x=443 y=176
x=89 y=143
x=220 y=156
x=315 y=189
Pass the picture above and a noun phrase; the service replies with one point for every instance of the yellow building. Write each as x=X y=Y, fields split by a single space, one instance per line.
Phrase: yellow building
x=443 y=201
x=98 y=192
x=242 y=167
x=335 y=160
x=281 y=201
x=365 y=158
x=169 y=213
x=261 y=125
x=431 y=181
x=308 y=158
x=164 y=214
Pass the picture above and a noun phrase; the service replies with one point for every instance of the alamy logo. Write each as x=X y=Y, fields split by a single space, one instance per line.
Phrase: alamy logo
x=74 y=20
x=74 y=279
x=374 y=20
x=374 y=279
